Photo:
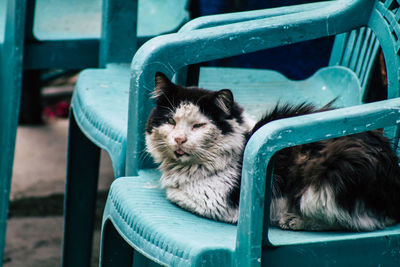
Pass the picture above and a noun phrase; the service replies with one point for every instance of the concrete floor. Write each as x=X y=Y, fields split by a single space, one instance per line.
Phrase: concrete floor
x=35 y=226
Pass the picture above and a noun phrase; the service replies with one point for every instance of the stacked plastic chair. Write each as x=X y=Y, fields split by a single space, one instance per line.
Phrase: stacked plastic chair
x=67 y=35
x=99 y=112
x=58 y=35
x=142 y=227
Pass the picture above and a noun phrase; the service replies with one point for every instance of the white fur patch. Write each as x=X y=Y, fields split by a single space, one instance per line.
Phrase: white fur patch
x=321 y=205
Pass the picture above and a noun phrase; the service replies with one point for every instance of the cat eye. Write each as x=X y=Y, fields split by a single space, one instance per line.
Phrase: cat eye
x=198 y=125
x=171 y=121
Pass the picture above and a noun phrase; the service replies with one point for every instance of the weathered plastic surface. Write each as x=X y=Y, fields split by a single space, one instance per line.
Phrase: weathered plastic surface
x=11 y=47
x=256 y=243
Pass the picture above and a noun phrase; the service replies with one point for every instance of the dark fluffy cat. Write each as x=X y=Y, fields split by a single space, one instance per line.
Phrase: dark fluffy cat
x=198 y=137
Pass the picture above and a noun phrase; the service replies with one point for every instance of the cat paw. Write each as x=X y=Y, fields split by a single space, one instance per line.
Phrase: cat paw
x=291 y=221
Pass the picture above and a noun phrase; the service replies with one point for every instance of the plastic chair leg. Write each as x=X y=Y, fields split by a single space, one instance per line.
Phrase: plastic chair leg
x=80 y=197
x=114 y=250
x=31 y=100
x=9 y=105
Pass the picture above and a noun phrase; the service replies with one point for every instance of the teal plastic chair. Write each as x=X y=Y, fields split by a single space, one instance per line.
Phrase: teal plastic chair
x=11 y=45
x=99 y=113
x=141 y=225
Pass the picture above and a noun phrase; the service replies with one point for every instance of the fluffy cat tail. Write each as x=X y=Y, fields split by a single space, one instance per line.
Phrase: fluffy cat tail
x=286 y=110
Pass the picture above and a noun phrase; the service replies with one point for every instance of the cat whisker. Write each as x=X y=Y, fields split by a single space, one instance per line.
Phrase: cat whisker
x=166 y=97
x=168 y=108
x=144 y=155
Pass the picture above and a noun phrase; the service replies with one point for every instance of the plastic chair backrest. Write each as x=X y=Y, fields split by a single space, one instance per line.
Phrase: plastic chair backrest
x=52 y=39
x=384 y=23
x=11 y=46
x=118 y=34
x=356 y=50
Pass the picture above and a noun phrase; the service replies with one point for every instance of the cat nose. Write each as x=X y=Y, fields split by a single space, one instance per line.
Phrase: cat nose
x=180 y=140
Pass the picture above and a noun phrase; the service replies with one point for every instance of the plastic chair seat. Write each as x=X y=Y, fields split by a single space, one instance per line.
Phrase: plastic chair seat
x=81 y=19
x=100 y=102
x=164 y=232
x=100 y=107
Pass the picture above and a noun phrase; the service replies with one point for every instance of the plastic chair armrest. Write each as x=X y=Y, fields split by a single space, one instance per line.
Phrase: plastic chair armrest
x=269 y=139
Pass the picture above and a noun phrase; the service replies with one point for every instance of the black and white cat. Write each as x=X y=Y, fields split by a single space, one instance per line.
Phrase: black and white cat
x=198 y=137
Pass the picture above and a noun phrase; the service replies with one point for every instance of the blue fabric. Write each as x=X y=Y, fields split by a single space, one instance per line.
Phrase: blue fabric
x=297 y=61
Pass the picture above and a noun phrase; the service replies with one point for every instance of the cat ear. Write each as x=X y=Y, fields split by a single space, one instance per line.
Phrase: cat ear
x=162 y=83
x=224 y=100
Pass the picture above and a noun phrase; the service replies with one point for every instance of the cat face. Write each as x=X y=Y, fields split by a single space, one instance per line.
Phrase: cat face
x=190 y=125
x=186 y=136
